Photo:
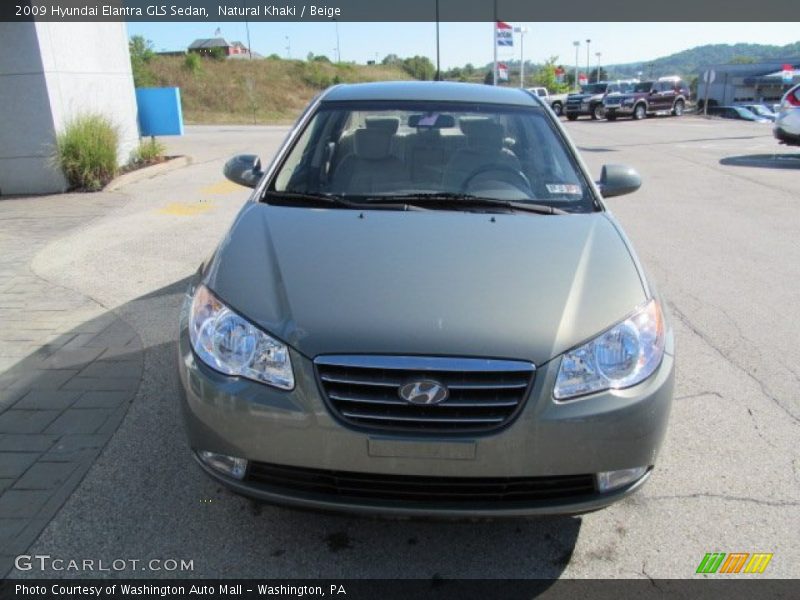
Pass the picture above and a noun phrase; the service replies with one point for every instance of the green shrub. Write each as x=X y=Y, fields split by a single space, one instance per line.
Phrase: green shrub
x=193 y=63
x=148 y=151
x=86 y=151
x=217 y=53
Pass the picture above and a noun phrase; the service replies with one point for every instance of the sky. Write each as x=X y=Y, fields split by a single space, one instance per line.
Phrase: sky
x=462 y=43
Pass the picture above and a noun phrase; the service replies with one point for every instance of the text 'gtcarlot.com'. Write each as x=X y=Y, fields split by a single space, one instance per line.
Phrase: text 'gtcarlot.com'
x=45 y=562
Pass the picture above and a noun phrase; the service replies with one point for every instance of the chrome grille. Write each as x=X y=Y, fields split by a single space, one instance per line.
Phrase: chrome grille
x=483 y=394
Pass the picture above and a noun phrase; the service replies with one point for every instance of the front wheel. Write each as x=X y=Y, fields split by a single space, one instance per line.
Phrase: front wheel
x=571 y=117
x=598 y=112
x=677 y=110
x=640 y=112
x=558 y=109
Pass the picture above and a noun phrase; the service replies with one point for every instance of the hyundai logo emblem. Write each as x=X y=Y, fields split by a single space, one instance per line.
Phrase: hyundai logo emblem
x=424 y=392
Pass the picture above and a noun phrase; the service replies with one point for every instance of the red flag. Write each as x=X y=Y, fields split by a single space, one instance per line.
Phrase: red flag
x=503 y=25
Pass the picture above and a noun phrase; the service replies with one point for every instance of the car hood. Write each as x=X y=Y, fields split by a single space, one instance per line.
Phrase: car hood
x=426 y=282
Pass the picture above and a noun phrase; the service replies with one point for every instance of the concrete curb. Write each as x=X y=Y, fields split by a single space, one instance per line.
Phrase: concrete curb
x=176 y=162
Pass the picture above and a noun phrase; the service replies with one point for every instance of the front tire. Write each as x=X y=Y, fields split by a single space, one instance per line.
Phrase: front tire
x=598 y=112
x=571 y=117
x=558 y=109
x=639 y=112
x=677 y=110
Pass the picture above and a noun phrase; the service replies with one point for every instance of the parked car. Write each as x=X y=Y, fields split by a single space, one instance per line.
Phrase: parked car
x=668 y=95
x=787 y=123
x=735 y=112
x=555 y=101
x=589 y=101
x=474 y=338
x=760 y=111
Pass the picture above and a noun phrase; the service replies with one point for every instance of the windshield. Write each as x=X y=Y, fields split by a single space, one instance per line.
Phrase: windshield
x=594 y=88
x=645 y=86
x=373 y=151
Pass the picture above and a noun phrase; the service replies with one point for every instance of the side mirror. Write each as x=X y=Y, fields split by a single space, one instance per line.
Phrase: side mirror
x=618 y=180
x=244 y=169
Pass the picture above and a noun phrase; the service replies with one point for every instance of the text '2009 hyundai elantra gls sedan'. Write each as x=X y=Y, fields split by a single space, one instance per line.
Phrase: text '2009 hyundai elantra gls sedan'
x=426 y=309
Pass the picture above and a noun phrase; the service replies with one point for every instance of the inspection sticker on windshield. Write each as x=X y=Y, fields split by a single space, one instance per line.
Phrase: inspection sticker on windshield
x=563 y=188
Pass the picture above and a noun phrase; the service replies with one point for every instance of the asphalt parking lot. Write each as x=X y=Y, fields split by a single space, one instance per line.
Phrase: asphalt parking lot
x=716 y=224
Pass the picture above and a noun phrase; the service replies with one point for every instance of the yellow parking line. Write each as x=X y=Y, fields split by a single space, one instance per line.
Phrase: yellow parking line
x=186 y=209
x=222 y=187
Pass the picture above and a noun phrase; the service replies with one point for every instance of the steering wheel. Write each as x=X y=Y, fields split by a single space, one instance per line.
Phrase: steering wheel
x=521 y=177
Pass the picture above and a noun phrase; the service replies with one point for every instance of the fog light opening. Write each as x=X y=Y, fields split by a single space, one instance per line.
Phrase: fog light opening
x=231 y=466
x=608 y=481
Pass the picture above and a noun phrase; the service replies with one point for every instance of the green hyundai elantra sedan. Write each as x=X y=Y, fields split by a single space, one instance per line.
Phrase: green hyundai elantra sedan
x=426 y=309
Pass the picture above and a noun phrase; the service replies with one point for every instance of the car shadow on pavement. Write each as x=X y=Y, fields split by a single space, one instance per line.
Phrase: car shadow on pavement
x=144 y=497
x=764 y=161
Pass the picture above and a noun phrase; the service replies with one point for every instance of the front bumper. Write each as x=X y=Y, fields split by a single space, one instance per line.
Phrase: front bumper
x=786 y=137
x=603 y=432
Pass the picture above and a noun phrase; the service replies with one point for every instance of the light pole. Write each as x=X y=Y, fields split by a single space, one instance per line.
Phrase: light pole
x=597 y=54
x=338 y=53
x=588 y=67
x=521 y=31
x=577 y=45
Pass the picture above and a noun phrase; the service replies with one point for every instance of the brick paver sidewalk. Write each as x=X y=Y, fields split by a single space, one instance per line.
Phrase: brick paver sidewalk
x=69 y=369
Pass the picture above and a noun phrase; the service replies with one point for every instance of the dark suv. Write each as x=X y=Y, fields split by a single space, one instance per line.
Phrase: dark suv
x=590 y=99
x=667 y=95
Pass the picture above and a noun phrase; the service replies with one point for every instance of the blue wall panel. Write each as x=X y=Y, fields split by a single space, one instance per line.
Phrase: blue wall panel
x=159 y=111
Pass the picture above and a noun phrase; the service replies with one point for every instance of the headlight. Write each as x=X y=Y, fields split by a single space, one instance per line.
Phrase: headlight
x=620 y=357
x=234 y=346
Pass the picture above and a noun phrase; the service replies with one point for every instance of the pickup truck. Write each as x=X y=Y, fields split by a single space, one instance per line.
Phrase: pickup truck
x=556 y=101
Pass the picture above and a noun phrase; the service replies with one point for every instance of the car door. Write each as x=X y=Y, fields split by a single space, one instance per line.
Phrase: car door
x=665 y=95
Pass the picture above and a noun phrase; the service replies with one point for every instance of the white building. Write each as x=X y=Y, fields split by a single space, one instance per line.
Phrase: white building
x=50 y=73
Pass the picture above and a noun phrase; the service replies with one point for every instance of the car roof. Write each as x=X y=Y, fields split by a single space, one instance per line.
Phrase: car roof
x=437 y=91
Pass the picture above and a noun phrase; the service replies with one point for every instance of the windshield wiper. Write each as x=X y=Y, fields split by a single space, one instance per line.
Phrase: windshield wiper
x=467 y=201
x=332 y=200
x=306 y=198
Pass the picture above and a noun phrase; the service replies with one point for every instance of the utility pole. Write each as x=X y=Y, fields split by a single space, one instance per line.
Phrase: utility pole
x=521 y=31
x=494 y=43
x=438 y=70
x=577 y=45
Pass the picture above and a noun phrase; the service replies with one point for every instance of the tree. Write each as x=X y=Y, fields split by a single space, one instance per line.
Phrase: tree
x=419 y=67
x=141 y=51
x=742 y=60
x=545 y=76
x=391 y=59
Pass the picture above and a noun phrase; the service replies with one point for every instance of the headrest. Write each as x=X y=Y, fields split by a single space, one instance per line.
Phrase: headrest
x=390 y=124
x=431 y=121
x=372 y=144
x=482 y=132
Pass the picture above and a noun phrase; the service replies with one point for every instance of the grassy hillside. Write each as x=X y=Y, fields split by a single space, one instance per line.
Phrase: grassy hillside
x=689 y=62
x=229 y=91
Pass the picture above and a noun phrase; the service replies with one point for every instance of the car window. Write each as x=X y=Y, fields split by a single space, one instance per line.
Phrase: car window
x=373 y=150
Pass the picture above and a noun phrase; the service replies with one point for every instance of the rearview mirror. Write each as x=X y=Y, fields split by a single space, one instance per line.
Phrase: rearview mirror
x=618 y=180
x=244 y=169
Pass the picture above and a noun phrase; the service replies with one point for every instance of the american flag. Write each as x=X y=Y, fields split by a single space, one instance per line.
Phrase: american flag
x=502 y=71
x=504 y=34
